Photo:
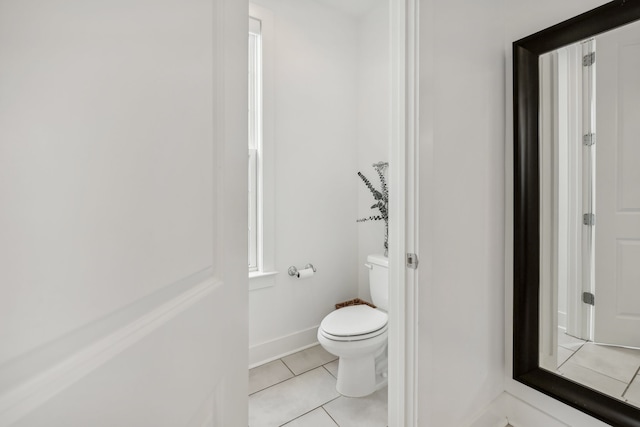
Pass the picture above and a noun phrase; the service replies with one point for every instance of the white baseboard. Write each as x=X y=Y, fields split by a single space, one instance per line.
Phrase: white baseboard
x=490 y=420
x=522 y=414
x=494 y=415
x=507 y=409
x=266 y=352
x=562 y=320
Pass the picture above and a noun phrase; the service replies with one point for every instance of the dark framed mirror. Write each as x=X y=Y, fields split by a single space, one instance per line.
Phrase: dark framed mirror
x=534 y=256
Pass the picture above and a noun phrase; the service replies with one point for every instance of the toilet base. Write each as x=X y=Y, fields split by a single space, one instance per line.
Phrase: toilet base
x=361 y=376
x=356 y=377
x=362 y=366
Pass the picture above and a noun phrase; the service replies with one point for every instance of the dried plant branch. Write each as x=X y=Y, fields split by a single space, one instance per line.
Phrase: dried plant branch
x=381 y=197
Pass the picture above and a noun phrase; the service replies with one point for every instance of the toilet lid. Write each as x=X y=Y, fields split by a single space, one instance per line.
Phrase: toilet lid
x=354 y=320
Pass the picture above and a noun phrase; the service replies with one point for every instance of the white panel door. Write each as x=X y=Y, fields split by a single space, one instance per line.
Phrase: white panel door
x=617 y=229
x=123 y=281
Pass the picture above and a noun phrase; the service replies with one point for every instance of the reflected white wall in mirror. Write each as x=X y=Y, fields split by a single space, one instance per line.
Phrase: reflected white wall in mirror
x=590 y=212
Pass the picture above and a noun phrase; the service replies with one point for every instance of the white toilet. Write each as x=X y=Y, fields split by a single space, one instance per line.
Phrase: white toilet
x=358 y=336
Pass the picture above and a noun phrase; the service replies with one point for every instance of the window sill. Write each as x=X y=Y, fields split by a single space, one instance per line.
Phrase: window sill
x=258 y=274
x=261 y=279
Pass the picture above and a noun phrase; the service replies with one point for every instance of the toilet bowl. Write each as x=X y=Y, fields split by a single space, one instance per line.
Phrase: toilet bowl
x=358 y=336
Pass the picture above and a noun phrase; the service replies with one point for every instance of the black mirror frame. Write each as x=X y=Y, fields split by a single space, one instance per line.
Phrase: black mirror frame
x=526 y=213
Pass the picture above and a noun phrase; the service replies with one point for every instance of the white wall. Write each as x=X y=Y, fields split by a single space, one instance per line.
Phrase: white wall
x=522 y=18
x=461 y=237
x=373 y=127
x=465 y=136
x=466 y=219
x=315 y=143
x=331 y=109
x=109 y=245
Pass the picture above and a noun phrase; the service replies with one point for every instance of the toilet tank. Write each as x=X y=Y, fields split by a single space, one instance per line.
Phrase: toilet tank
x=379 y=280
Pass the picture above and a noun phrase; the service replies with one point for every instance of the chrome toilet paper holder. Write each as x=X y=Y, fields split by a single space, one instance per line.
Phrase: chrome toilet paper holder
x=293 y=270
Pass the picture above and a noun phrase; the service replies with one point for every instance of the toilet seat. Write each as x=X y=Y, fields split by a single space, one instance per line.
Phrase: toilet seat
x=354 y=323
x=354 y=338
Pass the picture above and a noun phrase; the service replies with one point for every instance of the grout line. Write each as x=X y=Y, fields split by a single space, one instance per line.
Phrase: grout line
x=299 y=416
x=308 y=369
x=568 y=358
x=327 y=369
x=274 y=384
x=629 y=385
x=290 y=370
x=335 y=398
x=621 y=397
x=290 y=378
x=296 y=375
x=600 y=372
x=317 y=407
x=281 y=360
x=327 y=412
x=597 y=372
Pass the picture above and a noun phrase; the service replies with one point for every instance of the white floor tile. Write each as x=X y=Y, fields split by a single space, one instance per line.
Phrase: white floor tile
x=619 y=363
x=308 y=359
x=370 y=411
x=593 y=379
x=267 y=375
x=569 y=342
x=315 y=418
x=563 y=355
x=332 y=367
x=633 y=392
x=292 y=398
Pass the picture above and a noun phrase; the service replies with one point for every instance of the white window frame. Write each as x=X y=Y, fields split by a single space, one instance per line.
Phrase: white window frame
x=261 y=158
x=254 y=143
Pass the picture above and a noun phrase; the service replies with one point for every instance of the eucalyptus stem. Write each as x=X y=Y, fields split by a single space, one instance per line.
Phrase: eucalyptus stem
x=381 y=198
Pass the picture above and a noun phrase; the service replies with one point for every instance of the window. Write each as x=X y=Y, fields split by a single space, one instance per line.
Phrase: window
x=260 y=149
x=255 y=143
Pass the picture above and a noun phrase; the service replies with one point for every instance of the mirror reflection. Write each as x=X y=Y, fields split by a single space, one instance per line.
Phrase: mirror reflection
x=590 y=212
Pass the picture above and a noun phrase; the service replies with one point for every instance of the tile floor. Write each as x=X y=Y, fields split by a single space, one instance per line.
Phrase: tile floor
x=612 y=370
x=300 y=391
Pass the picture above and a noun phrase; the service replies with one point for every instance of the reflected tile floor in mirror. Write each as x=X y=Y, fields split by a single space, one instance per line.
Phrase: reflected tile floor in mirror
x=612 y=370
x=299 y=390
